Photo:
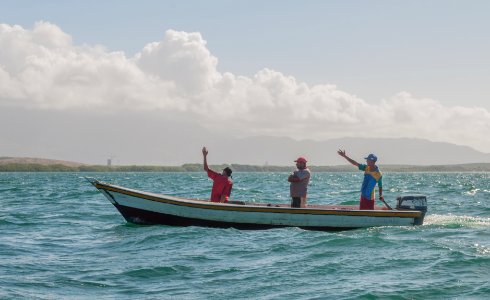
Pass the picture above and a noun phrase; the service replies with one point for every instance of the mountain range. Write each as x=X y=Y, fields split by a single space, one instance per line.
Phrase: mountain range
x=400 y=151
x=149 y=139
x=281 y=151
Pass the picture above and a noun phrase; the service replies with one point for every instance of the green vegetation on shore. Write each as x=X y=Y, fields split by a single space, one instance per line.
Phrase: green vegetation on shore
x=32 y=167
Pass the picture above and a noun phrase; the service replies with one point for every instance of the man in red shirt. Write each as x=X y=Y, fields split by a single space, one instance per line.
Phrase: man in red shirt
x=222 y=183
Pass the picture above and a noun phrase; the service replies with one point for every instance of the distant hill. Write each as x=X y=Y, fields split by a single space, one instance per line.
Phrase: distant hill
x=38 y=161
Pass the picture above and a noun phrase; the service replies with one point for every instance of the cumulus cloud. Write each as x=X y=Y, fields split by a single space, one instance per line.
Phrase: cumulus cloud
x=181 y=58
x=42 y=69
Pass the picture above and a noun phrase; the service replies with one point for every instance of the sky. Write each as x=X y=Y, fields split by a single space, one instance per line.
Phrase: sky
x=300 y=69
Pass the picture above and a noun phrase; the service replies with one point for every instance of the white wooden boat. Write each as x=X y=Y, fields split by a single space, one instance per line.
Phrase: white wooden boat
x=150 y=208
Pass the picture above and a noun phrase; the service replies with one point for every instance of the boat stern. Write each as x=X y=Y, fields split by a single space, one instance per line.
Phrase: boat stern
x=413 y=202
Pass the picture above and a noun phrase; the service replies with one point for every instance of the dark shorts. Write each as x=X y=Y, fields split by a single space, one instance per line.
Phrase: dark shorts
x=366 y=203
x=296 y=202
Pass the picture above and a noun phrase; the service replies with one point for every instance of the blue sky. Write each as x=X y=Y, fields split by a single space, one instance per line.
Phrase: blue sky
x=299 y=69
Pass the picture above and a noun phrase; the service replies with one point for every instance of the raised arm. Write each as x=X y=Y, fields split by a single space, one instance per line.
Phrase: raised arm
x=342 y=153
x=204 y=155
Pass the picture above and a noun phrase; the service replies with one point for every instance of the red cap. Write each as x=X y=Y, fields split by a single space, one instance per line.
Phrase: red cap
x=301 y=159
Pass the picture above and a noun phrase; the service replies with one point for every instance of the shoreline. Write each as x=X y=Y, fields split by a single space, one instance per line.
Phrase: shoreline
x=33 y=167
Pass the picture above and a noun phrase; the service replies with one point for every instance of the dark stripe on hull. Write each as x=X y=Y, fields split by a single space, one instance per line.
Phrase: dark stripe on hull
x=139 y=216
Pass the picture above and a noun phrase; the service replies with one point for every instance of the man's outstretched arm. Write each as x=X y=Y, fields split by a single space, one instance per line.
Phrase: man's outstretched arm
x=342 y=153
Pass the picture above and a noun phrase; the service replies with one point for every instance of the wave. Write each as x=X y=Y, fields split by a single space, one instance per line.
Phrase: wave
x=157 y=271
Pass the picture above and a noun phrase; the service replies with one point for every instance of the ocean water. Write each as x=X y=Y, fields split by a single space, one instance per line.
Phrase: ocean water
x=61 y=239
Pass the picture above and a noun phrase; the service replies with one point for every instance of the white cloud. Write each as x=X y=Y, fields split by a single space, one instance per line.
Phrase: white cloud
x=42 y=69
x=181 y=58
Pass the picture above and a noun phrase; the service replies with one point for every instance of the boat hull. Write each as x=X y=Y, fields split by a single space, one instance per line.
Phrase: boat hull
x=149 y=208
x=140 y=216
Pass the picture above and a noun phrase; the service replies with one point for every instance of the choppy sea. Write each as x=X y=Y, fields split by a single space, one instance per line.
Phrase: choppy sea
x=61 y=239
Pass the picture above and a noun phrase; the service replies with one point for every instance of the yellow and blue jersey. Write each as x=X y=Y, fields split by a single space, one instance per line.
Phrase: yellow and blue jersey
x=372 y=176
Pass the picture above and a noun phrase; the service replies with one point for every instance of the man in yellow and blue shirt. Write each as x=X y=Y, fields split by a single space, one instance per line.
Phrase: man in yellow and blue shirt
x=372 y=176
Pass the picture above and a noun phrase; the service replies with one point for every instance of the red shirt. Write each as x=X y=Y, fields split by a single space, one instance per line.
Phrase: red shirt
x=222 y=186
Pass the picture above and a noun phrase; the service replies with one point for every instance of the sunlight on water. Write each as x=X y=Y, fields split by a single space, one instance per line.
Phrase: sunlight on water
x=481 y=249
x=472 y=192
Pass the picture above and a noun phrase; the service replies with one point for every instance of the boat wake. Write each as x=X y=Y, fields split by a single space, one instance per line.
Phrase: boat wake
x=456 y=221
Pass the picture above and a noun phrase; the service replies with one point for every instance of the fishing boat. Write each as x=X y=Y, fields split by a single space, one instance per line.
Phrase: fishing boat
x=150 y=208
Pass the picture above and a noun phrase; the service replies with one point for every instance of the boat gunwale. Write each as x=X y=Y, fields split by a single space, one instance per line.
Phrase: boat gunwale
x=205 y=204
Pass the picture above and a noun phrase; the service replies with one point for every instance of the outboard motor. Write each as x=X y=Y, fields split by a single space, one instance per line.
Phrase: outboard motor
x=413 y=202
